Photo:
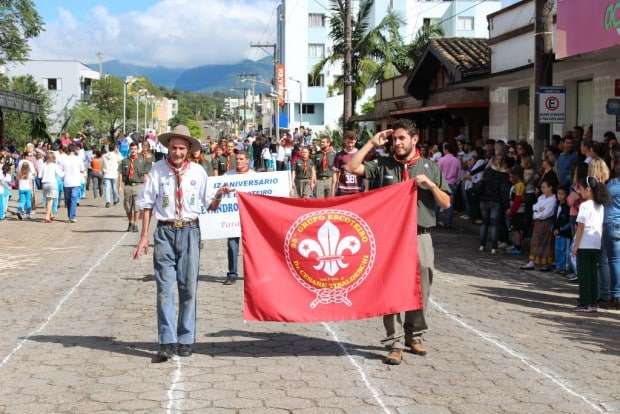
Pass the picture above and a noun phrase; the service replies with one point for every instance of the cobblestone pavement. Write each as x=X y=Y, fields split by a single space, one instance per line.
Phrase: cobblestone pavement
x=79 y=335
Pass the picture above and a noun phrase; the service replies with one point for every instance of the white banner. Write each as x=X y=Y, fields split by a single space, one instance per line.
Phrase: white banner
x=224 y=222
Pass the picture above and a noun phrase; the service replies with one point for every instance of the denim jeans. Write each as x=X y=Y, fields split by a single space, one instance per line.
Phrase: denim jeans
x=490 y=216
x=453 y=195
x=110 y=190
x=56 y=202
x=97 y=185
x=603 y=272
x=176 y=258
x=25 y=201
x=562 y=252
x=611 y=239
x=72 y=195
x=4 y=202
x=233 y=258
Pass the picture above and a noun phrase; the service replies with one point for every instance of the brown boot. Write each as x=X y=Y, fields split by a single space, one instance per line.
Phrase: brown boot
x=417 y=347
x=395 y=357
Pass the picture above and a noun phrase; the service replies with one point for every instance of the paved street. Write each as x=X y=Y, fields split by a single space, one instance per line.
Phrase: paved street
x=79 y=335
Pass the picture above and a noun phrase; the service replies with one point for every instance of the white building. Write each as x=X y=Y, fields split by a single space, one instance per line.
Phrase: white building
x=303 y=39
x=67 y=82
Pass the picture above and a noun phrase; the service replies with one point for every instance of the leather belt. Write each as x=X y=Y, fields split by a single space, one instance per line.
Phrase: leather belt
x=423 y=230
x=178 y=224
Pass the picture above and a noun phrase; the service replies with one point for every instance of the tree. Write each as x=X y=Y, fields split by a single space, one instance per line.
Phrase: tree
x=407 y=56
x=24 y=127
x=19 y=21
x=375 y=50
x=107 y=96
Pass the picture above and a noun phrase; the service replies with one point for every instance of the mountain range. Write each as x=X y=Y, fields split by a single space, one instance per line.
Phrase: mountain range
x=205 y=78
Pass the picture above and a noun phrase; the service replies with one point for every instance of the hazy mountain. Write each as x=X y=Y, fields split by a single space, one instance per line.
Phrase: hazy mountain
x=207 y=78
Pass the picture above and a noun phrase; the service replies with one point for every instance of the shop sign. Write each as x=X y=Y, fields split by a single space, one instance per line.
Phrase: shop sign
x=552 y=105
x=280 y=83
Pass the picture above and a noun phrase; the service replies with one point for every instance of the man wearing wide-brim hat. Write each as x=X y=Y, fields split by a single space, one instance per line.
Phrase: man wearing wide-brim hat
x=175 y=195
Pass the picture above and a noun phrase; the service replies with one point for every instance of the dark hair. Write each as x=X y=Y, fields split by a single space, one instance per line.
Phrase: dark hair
x=550 y=183
x=609 y=136
x=517 y=171
x=407 y=125
x=72 y=148
x=615 y=158
x=564 y=188
x=133 y=144
x=599 y=190
x=111 y=147
x=242 y=152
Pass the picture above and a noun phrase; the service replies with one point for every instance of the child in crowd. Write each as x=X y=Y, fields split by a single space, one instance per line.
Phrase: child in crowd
x=516 y=212
x=563 y=232
x=542 y=244
x=5 y=189
x=25 y=177
x=48 y=175
x=587 y=246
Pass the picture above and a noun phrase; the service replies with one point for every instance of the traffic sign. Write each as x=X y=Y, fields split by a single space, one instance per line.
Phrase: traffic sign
x=552 y=105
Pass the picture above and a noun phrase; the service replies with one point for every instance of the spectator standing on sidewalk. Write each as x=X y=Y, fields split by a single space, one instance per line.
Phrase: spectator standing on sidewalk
x=562 y=232
x=566 y=162
x=111 y=161
x=133 y=171
x=324 y=167
x=516 y=211
x=543 y=242
x=175 y=195
x=493 y=200
x=611 y=231
x=450 y=167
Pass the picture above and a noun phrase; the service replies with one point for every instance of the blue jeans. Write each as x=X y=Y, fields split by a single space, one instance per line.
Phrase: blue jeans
x=4 y=200
x=61 y=191
x=176 y=258
x=561 y=253
x=72 y=195
x=611 y=240
x=110 y=190
x=25 y=201
x=453 y=194
x=233 y=258
x=490 y=216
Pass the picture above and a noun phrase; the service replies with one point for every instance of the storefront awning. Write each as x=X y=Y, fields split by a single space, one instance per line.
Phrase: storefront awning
x=443 y=107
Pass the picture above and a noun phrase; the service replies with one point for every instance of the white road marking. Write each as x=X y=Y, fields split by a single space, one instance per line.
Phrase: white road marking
x=359 y=369
x=60 y=303
x=542 y=370
x=176 y=379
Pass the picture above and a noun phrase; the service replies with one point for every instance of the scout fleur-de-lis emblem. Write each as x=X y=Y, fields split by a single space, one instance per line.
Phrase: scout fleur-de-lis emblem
x=329 y=248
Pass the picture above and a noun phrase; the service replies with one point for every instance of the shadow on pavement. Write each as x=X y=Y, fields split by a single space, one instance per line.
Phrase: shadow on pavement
x=98 y=231
x=102 y=343
x=201 y=278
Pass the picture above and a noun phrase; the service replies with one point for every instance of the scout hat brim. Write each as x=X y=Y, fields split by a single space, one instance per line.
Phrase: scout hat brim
x=182 y=132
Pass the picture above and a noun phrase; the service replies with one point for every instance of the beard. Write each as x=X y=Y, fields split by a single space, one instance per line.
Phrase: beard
x=404 y=153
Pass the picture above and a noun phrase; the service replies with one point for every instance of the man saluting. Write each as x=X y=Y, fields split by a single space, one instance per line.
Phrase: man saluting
x=175 y=194
x=404 y=163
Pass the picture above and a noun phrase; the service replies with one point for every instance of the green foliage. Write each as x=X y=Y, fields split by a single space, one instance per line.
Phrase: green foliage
x=19 y=21
x=87 y=119
x=375 y=50
x=369 y=106
x=107 y=96
x=407 y=56
x=24 y=127
x=335 y=135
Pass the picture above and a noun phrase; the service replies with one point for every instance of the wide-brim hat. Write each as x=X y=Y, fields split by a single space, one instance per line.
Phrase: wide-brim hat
x=180 y=131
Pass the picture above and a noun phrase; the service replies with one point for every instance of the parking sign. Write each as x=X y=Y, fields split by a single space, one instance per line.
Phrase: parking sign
x=552 y=105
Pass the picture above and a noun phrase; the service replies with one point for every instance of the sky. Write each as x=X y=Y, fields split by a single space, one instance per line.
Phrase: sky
x=172 y=33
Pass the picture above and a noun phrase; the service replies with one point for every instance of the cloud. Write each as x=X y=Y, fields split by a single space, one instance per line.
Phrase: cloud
x=173 y=33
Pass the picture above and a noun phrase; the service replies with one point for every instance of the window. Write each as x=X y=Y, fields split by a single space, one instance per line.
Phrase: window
x=464 y=23
x=316 y=82
x=316 y=50
x=316 y=20
x=307 y=108
x=54 y=84
x=584 y=103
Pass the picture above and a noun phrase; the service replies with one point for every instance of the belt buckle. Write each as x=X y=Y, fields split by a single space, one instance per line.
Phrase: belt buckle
x=179 y=224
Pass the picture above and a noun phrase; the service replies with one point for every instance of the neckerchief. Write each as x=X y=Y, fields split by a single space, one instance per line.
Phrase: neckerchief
x=407 y=164
x=325 y=162
x=178 y=174
x=305 y=165
x=228 y=162
x=131 y=166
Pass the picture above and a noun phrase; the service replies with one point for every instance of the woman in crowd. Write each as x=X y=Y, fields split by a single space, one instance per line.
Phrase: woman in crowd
x=543 y=242
x=611 y=232
x=96 y=172
x=493 y=200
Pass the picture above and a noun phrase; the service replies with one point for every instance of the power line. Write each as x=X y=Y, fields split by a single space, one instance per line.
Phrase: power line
x=461 y=12
x=321 y=4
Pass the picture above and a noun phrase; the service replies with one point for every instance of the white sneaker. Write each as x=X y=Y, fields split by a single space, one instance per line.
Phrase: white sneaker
x=73 y=220
x=481 y=249
x=502 y=245
x=493 y=251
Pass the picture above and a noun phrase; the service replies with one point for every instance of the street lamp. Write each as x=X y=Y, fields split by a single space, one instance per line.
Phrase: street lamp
x=128 y=80
x=301 y=101
x=140 y=93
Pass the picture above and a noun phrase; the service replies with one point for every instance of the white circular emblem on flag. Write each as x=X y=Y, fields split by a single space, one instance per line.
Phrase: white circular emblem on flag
x=330 y=253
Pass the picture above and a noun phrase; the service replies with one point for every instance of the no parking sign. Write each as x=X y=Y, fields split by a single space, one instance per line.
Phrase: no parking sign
x=552 y=105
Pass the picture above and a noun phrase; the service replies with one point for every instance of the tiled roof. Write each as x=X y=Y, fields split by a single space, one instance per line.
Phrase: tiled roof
x=469 y=56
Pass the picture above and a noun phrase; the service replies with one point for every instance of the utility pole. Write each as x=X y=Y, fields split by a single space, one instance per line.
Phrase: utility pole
x=252 y=78
x=348 y=57
x=274 y=47
x=100 y=59
x=543 y=68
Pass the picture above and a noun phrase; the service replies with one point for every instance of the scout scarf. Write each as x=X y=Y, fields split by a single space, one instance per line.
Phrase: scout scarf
x=325 y=162
x=131 y=165
x=178 y=174
x=407 y=164
x=229 y=162
x=305 y=165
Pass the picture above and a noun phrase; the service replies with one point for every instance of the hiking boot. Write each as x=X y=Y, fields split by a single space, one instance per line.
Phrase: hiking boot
x=417 y=347
x=166 y=351
x=230 y=282
x=394 y=357
x=184 y=350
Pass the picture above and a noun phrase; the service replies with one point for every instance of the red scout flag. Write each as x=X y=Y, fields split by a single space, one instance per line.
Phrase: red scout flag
x=313 y=260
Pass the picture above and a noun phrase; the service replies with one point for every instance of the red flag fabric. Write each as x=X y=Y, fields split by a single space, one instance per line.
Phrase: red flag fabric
x=341 y=258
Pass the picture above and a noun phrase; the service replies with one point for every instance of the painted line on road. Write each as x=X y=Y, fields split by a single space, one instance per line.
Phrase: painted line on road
x=542 y=370
x=176 y=379
x=359 y=369
x=61 y=303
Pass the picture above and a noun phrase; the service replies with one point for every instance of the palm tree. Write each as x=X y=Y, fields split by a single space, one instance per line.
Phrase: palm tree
x=375 y=50
x=409 y=55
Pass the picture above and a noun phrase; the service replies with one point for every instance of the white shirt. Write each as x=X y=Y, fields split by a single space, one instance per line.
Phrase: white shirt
x=72 y=167
x=591 y=215
x=544 y=207
x=49 y=172
x=26 y=183
x=5 y=182
x=110 y=161
x=159 y=192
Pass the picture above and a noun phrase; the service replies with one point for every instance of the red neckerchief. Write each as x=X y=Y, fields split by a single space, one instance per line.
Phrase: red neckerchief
x=178 y=174
x=229 y=162
x=325 y=163
x=131 y=165
x=407 y=164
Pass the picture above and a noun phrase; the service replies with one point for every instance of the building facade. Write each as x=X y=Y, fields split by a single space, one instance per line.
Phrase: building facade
x=67 y=82
x=303 y=40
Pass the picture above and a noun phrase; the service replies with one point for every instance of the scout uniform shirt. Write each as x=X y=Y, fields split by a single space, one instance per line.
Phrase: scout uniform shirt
x=300 y=174
x=160 y=192
x=140 y=168
x=318 y=162
x=220 y=164
x=384 y=171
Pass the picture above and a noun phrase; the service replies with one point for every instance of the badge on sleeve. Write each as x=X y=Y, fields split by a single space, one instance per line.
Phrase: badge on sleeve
x=166 y=201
